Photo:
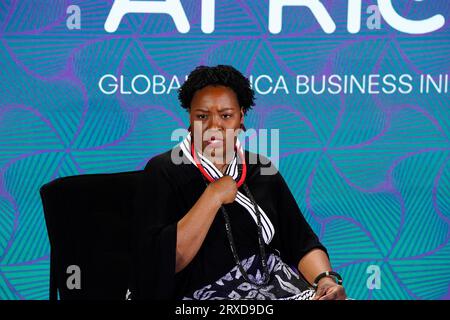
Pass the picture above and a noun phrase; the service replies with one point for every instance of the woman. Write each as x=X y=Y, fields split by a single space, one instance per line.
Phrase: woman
x=214 y=226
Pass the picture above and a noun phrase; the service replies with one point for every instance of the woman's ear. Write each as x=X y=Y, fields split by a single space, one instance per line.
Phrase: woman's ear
x=242 y=120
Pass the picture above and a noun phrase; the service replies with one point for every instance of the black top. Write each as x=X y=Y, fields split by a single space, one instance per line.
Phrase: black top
x=167 y=193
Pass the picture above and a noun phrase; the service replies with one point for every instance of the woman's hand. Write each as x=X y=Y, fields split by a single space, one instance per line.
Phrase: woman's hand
x=193 y=227
x=224 y=189
x=329 y=290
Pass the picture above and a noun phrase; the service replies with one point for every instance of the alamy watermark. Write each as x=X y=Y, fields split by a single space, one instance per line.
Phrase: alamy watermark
x=374 y=280
x=259 y=141
x=74 y=279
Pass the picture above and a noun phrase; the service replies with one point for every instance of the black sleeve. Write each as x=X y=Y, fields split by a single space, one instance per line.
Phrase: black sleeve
x=295 y=234
x=154 y=231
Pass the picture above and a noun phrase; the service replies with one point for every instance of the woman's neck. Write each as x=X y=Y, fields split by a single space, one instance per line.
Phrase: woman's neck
x=220 y=164
x=222 y=167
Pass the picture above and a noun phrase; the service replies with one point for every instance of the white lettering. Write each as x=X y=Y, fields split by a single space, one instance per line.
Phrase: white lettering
x=316 y=7
x=113 y=85
x=354 y=16
x=174 y=84
x=175 y=9
x=171 y=7
x=208 y=16
x=281 y=85
x=405 y=25
x=256 y=84
x=302 y=81
x=159 y=82
x=407 y=84
x=147 y=84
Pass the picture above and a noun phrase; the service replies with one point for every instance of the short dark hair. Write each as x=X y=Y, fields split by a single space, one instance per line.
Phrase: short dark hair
x=220 y=75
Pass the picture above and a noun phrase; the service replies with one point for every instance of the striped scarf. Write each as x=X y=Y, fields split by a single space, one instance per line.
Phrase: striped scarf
x=232 y=170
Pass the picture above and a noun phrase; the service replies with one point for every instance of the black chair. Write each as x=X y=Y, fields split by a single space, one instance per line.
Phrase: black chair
x=88 y=222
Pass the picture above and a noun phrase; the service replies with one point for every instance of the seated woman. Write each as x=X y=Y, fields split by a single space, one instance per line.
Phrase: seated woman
x=210 y=224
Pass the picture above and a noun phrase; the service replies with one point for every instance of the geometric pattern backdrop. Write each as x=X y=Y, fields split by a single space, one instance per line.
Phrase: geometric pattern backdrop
x=369 y=171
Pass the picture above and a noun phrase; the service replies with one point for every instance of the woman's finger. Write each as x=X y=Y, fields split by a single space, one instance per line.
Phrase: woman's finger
x=319 y=293
x=330 y=295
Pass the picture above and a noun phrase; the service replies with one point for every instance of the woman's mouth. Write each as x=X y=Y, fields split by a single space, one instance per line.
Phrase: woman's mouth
x=214 y=142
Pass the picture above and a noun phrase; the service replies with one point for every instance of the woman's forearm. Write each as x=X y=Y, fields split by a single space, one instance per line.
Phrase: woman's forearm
x=313 y=263
x=193 y=227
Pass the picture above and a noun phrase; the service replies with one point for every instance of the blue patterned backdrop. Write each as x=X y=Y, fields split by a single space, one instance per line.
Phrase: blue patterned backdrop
x=369 y=171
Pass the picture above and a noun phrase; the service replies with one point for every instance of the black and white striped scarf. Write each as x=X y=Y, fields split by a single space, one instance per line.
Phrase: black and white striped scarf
x=268 y=230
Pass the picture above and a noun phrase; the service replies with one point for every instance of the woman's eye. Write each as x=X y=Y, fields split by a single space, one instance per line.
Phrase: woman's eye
x=201 y=116
x=226 y=116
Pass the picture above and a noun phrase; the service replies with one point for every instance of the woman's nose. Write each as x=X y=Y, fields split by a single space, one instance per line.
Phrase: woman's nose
x=215 y=122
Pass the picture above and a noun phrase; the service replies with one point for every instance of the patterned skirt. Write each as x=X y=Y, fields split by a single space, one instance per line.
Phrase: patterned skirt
x=285 y=283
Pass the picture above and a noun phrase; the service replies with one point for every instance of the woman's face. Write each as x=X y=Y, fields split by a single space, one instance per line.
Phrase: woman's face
x=215 y=117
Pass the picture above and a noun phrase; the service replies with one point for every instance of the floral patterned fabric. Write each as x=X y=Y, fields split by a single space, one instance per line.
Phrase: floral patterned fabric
x=285 y=283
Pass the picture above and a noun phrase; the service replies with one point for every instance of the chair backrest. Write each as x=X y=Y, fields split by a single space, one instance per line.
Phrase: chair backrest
x=88 y=221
